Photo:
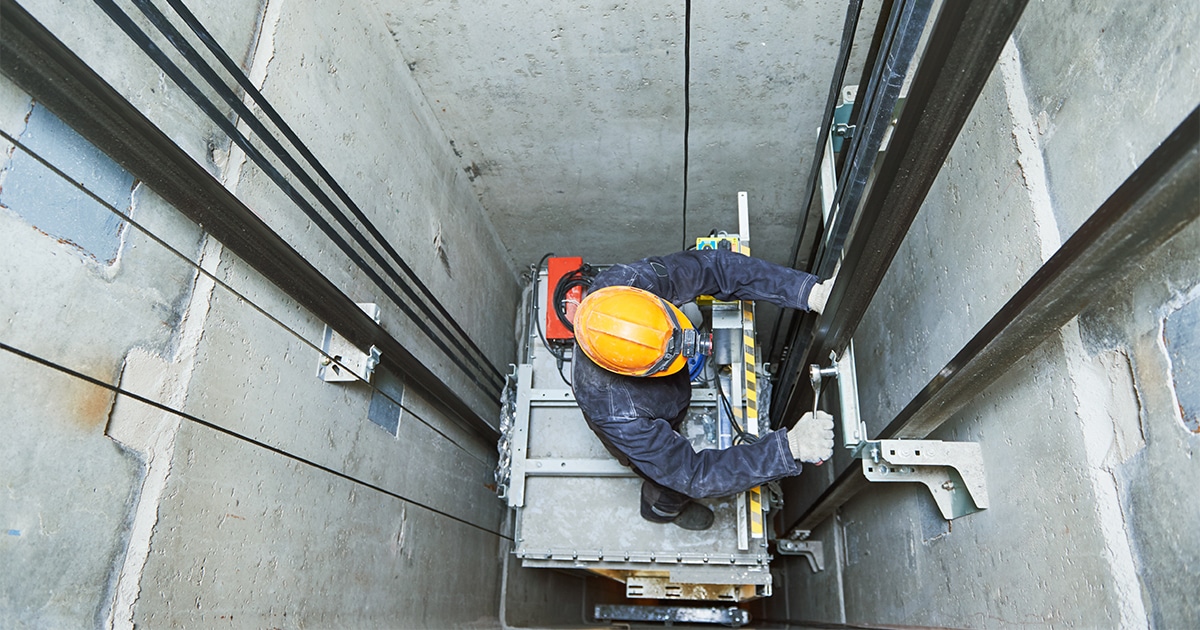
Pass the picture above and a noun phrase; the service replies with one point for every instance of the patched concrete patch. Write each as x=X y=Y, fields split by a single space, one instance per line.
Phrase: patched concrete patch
x=1181 y=334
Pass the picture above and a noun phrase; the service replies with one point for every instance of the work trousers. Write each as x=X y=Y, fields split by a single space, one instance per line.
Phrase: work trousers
x=656 y=498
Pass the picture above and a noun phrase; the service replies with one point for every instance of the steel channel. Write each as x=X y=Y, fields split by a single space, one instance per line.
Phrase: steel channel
x=810 y=221
x=905 y=27
x=58 y=79
x=1154 y=203
x=894 y=46
x=966 y=41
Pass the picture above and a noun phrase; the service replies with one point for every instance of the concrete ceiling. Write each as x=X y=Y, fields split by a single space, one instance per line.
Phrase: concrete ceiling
x=570 y=116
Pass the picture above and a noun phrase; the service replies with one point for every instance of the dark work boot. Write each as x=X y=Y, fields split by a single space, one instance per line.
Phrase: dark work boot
x=693 y=516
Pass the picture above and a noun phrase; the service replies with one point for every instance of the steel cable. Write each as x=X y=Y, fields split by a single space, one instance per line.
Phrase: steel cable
x=124 y=22
x=224 y=285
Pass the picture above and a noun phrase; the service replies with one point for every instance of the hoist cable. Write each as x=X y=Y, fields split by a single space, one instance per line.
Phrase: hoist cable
x=687 y=109
x=126 y=24
x=223 y=285
x=248 y=86
x=193 y=58
x=238 y=436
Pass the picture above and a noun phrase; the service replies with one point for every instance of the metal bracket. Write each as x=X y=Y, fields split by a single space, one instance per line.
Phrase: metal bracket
x=953 y=471
x=854 y=430
x=798 y=544
x=341 y=361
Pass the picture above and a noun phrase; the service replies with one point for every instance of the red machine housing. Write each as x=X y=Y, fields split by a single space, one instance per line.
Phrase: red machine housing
x=556 y=268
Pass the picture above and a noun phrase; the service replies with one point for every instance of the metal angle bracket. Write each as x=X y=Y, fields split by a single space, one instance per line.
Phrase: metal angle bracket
x=341 y=361
x=798 y=544
x=953 y=471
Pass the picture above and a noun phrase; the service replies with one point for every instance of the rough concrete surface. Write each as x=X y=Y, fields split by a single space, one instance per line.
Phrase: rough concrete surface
x=970 y=248
x=1156 y=467
x=69 y=490
x=1107 y=82
x=250 y=539
x=91 y=35
x=478 y=138
x=260 y=381
x=570 y=117
x=334 y=76
x=1083 y=528
x=1035 y=557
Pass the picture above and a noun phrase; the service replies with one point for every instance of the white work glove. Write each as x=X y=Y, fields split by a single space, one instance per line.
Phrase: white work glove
x=811 y=440
x=819 y=295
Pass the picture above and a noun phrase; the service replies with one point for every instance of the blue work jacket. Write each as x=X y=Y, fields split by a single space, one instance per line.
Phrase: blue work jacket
x=633 y=415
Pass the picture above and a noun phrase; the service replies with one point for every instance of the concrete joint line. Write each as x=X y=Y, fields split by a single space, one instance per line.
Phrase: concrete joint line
x=1097 y=429
x=153 y=433
x=1099 y=437
x=261 y=56
x=1029 y=151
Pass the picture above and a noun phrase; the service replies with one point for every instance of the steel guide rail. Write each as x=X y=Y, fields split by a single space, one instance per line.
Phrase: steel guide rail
x=1160 y=198
x=965 y=43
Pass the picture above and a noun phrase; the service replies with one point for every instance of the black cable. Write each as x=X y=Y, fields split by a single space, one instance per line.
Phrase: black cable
x=126 y=24
x=537 y=322
x=581 y=277
x=560 y=355
x=224 y=285
x=687 y=108
x=220 y=429
x=193 y=58
x=244 y=82
x=741 y=436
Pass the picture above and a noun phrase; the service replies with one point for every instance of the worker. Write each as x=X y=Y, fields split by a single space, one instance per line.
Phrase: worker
x=630 y=383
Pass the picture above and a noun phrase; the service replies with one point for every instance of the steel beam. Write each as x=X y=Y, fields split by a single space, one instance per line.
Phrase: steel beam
x=1158 y=200
x=965 y=43
x=46 y=69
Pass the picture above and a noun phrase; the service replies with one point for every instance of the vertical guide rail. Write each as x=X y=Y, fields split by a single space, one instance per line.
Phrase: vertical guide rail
x=1154 y=203
x=966 y=39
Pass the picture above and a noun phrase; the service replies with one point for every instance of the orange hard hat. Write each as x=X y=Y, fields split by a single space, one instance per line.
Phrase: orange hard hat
x=633 y=332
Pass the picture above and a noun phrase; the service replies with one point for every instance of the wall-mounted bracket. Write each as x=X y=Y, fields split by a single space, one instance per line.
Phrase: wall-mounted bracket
x=798 y=544
x=854 y=430
x=953 y=471
x=341 y=361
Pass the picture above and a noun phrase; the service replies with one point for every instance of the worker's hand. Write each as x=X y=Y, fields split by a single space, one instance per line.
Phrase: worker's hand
x=811 y=440
x=819 y=295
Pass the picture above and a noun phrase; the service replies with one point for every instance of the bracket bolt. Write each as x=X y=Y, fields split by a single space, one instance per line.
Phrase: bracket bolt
x=949 y=485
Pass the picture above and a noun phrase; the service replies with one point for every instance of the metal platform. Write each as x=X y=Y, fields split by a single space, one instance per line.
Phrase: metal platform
x=577 y=507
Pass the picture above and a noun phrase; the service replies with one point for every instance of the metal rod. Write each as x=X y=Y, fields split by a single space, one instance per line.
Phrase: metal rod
x=58 y=79
x=1158 y=200
x=963 y=48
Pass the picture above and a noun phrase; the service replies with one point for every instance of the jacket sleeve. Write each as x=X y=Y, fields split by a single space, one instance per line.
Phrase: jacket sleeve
x=665 y=456
x=725 y=275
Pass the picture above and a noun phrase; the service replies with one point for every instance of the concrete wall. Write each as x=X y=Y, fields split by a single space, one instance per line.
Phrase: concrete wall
x=1087 y=445
x=291 y=507
x=280 y=501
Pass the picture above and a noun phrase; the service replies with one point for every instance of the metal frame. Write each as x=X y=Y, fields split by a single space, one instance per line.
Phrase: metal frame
x=731 y=617
x=46 y=69
x=522 y=466
x=953 y=471
x=1154 y=203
